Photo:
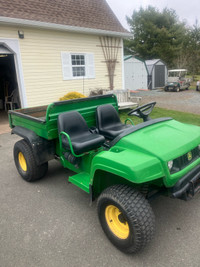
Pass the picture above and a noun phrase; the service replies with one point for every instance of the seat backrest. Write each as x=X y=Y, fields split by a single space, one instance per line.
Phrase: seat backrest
x=72 y=123
x=107 y=116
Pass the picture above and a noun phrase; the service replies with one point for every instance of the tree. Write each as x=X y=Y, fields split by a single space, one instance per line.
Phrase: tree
x=189 y=55
x=192 y=48
x=156 y=34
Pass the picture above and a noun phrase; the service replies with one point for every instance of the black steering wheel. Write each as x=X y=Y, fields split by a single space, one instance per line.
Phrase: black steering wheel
x=143 y=111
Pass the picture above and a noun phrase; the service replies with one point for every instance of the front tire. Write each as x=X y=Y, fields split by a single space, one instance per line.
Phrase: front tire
x=126 y=218
x=26 y=164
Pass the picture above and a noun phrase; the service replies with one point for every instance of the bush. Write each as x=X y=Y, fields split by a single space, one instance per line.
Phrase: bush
x=97 y=91
x=71 y=95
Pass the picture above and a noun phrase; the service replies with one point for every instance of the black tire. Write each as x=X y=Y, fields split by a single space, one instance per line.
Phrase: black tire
x=166 y=89
x=26 y=164
x=133 y=211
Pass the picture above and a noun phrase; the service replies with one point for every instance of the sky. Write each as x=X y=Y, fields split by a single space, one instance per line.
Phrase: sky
x=187 y=11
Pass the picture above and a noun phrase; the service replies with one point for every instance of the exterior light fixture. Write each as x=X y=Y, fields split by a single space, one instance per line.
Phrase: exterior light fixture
x=21 y=34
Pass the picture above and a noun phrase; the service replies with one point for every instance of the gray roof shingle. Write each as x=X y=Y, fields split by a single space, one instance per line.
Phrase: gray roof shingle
x=94 y=14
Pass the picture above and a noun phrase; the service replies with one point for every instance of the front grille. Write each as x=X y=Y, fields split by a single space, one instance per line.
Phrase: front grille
x=185 y=160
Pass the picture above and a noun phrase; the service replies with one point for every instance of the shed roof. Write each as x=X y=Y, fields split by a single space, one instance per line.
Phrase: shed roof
x=93 y=14
x=152 y=61
x=130 y=56
x=150 y=64
x=127 y=57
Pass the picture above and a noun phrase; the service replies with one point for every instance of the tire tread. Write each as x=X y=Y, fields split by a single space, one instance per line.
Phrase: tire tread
x=139 y=212
x=35 y=171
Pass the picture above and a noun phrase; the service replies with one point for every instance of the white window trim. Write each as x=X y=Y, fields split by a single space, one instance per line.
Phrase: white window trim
x=67 y=66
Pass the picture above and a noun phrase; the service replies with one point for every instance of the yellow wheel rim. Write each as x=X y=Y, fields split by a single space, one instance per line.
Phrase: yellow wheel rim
x=22 y=161
x=116 y=222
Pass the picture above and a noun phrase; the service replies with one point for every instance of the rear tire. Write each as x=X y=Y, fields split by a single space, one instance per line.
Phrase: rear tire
x=126 y=218
x=26 y=164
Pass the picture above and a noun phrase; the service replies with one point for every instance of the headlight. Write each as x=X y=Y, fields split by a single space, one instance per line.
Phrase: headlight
x=170 y=164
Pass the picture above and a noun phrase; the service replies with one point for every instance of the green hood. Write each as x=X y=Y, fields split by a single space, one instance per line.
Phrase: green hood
x=166 y=140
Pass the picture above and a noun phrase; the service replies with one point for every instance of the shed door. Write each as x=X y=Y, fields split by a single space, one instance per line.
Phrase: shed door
x=135 y=75
x=159 y=75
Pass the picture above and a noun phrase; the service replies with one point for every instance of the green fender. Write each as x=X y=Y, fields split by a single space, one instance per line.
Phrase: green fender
x=134 y=166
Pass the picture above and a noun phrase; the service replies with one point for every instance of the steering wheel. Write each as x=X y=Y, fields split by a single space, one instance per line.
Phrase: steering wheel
x=143 y=111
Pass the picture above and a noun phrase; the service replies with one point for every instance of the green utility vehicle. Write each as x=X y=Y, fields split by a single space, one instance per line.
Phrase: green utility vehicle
x=123 y=166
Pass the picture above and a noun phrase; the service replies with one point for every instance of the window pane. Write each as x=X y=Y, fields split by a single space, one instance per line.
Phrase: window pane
x=78 y=65
x=78 y=71
x=78 y=60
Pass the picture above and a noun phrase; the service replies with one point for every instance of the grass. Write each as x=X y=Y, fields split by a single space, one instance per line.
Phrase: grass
x=194 y=82
x=161 y=112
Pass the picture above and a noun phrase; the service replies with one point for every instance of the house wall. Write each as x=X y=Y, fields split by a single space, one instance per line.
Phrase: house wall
x=42 y=66
x=135 y=74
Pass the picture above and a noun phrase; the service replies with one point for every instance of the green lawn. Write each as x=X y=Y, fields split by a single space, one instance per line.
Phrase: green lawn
x=194 y=82
x=161 y=112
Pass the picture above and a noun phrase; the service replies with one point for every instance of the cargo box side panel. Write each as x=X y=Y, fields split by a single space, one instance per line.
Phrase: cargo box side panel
x=36 y=125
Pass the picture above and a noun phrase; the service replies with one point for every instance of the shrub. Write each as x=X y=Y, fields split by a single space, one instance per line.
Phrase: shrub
x=71 y=95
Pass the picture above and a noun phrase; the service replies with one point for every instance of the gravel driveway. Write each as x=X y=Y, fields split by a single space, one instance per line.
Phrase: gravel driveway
x=187 y=101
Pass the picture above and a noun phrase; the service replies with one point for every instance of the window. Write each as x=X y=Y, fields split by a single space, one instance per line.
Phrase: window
x=77 y=66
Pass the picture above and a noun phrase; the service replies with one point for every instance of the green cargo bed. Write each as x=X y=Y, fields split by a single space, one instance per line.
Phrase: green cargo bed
x=43 y=119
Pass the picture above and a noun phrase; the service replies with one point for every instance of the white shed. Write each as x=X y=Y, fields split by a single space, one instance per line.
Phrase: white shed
x=135 y=72
x=157 y=73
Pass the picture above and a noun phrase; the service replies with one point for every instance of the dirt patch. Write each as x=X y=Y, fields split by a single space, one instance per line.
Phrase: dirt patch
x=186 y=101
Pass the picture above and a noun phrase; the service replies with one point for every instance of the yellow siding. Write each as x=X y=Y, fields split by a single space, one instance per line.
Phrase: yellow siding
x=42 y=68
